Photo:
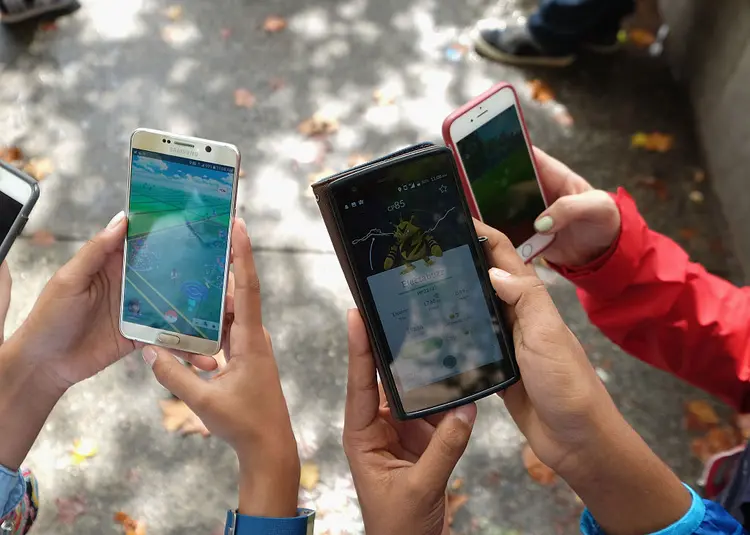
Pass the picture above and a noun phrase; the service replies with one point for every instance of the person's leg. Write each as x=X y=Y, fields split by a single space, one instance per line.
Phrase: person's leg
x=13 y=11
x=556 y=32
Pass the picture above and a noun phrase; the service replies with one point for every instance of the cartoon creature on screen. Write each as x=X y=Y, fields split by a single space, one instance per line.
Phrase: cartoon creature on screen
x=412 y=244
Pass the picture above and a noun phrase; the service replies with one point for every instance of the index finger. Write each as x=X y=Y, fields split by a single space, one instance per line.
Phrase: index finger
x=500 y=250
x=362 y=395
x=247 y=302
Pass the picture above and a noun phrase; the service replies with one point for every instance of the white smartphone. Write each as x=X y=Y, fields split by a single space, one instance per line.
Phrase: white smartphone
x=489 y=140
x=180 y=207
x=18 y=195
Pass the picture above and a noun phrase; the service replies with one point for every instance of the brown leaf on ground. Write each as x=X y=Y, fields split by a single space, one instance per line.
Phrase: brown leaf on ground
x=457 y=484
x=700 y=415
x=174 y=13
x=654 y=142
x=640 y=37
x=179 y=417
x=244 y=98
x=384 y=97
x=69 y=509
x=274 y=23
x=540 y=91
x=11 y=154
x=318 y=125
x=659 y=186
x=688 y=233
x=742 y=421
x=39 y=168
x=130 y=525
x=309 y=475
x=453 y=503
x=539 y=472
x=717 y=439
x=356 y=159
x=276 y=83
x=699 y=176
x=43 y=238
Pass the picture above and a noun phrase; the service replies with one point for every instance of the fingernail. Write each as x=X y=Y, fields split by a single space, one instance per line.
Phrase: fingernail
x=149 y=355
x=116 y=220
x=499 y=274
x=544 y=224
x=466 y=413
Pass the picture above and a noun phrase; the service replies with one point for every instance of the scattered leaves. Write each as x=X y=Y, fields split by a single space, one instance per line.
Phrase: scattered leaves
x=276 y=83
x=179 y=417
x=700 y=415
x=325 y=173
x=457 y=484
x=641 y=38
x=274 y=24
x=699 y=176
x=39 y=168
x=11 y=154
x=688 y=233
x=697 y=196
x=540 y=91
x=539 y=472
x=130 y=525
x=43 y=238
x=654 y=142
x=356 y=159
x=717 y=439
x=318 y=125
x=174 y=12
x=69 y=509
x=83 y=449
x=453 y=503
x=309 y=475
x=384 y=97
x=244 y=98
x=659 y=187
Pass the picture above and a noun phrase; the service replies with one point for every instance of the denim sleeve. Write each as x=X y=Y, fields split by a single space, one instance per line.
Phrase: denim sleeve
x=703 y=518
x=12 y=490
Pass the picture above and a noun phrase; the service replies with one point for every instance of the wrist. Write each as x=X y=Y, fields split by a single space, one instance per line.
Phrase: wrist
x=269 y=483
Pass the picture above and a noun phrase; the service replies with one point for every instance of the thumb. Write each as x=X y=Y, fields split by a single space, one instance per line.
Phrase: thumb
x=93 y=256
x=591 y=206
x=173 y=376
x=448 y=442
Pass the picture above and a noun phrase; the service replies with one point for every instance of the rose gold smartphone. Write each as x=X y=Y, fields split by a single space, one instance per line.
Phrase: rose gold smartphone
x=489 y=140
x=180 y=207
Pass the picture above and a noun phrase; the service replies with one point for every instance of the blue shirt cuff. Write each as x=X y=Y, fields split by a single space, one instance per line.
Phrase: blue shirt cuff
x=12 y=490
x=302 y=524
x=687 y=525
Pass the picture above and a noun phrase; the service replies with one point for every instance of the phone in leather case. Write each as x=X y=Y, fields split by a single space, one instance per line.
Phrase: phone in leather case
x=402 y=231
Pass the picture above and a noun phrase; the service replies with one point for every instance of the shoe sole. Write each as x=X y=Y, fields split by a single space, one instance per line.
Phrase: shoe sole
x=493 y=53
x=14 y=18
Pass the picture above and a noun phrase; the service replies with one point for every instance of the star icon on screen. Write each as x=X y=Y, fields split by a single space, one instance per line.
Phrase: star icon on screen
x=443 y=188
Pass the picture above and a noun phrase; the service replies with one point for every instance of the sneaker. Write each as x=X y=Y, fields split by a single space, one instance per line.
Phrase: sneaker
x=516 y=45
x=13 y=11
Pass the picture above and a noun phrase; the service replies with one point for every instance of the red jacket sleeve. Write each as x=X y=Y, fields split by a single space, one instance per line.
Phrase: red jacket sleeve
x=648 y=298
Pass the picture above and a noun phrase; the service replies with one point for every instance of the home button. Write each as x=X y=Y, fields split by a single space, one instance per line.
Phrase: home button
x=526 y=251
x=169 y=339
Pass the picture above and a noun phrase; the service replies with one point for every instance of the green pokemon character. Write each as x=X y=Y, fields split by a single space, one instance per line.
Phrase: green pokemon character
x=413 y=244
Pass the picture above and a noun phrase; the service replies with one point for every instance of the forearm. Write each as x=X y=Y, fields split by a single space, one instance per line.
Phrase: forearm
x=25 y=403
x=269 y=487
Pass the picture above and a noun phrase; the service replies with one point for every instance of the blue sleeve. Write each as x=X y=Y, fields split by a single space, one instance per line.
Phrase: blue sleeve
x=302 y=524
x=703 y=518
x=12 y=490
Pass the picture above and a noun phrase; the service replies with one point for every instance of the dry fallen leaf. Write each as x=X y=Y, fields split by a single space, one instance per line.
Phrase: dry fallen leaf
x=700 y=415
x=654 y=142
x=699 y=176
x=454 y=502
x=640 y=37
x=83 y=449
x=356 y=159
x=539 y=472
x=309 y=475
x=174 y=12
x=697 y=196
x=130 y=525
x=244 y=98
x=659 y=187
x=384 y=97
x=11 y=154
x=39 y=168
x=69 y=509
x=540 y=91
x=43 y=238
x=318 y=125
x=179 y=417
x=688 y=233
x=717 y=439
x=274 y=23
x=457 y=484
x=320 y=175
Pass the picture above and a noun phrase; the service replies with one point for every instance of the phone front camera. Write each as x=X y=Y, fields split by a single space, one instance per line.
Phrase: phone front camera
x=208 y=148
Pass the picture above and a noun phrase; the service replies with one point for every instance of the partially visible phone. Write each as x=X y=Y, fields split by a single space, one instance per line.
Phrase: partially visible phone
x=405 y=239
x=492 y=148
x=18 y=195
x=180 y=207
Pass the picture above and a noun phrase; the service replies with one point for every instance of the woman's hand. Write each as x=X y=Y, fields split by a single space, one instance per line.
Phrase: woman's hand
x=585 y=220
x=568 y=417
x=243 y=403
x=400 y=469
x=5 y=285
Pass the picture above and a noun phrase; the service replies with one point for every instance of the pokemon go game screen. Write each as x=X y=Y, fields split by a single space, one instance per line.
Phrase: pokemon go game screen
x=178 y=225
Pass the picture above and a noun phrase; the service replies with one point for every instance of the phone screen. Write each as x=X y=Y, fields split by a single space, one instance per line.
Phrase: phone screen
x=10 y=209
x=499 y=168
x=178 y=232
x=409 y=236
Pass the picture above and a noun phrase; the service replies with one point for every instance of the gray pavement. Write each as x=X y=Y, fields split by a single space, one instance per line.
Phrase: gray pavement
x=74 y=94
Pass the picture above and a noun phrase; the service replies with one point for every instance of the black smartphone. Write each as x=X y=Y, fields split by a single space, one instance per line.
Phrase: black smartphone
x=18 y=195
x=421 y=282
